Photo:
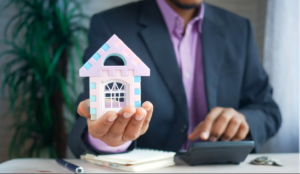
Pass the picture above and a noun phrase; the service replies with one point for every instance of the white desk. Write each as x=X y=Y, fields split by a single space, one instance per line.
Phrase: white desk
x=50 y=166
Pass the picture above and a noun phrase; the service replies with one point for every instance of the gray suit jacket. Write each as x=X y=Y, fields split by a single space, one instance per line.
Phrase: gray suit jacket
x=234 y=76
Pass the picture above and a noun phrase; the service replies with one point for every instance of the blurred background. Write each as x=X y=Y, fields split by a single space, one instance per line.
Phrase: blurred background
x=32 y=124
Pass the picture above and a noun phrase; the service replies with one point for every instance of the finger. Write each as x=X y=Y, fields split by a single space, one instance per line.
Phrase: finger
x=221 y=123
x=232 y=128
x=83 y=108
x=195 y=134
x=98 y=128
x=149 y=108
x=203 y=130
x=135 y=124
x=242 y=132
x=117 y=129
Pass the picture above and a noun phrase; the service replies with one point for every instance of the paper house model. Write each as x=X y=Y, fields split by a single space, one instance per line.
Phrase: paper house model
x=113 y=87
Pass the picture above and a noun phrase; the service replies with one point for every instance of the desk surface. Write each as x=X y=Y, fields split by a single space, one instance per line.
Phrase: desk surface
x=50 y=166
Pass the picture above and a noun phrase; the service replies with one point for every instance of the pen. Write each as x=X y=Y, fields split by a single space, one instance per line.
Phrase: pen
x=69 y=166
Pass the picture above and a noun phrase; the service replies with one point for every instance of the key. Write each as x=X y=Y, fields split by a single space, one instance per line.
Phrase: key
x=277 y=162
x=267 y=161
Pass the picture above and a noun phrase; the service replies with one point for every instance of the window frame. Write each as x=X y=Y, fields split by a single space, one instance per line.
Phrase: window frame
x=126 y=96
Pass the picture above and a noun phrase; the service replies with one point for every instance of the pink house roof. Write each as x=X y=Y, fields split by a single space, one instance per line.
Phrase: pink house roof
x=114 y=47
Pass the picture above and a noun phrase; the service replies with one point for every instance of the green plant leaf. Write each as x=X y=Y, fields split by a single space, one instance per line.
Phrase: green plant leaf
x=54 y=61
x=43 y=35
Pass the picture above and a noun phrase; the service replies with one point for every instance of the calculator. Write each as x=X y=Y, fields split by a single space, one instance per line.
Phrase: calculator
x=220 y=152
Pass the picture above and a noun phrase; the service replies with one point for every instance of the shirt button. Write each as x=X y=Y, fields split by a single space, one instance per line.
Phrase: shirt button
x=183 y=128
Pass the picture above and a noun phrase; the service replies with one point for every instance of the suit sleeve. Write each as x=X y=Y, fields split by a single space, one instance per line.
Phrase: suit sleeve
x=98 y=34
x=257 y=104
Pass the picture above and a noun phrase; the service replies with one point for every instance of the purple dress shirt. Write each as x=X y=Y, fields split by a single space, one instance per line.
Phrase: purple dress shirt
x=188 y=51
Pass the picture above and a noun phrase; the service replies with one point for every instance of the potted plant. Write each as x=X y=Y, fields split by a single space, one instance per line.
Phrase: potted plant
x=43 y=46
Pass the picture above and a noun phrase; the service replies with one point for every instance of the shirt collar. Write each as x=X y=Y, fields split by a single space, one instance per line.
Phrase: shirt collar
x=174 y=22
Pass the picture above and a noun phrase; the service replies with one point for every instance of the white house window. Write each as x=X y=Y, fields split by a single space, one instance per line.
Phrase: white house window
x=114 y=95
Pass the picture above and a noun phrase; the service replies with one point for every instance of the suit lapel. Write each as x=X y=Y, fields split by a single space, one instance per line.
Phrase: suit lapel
x=160 y=46
x=213 y=45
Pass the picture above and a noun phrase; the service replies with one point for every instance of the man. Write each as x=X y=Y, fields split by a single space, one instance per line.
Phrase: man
x=206 y=83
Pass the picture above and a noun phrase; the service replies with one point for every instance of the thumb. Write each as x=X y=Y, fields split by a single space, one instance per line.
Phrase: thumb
x=84 y=108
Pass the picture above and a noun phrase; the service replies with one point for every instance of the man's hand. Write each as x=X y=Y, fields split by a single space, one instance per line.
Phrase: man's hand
x=225 y=122
x=117 y=128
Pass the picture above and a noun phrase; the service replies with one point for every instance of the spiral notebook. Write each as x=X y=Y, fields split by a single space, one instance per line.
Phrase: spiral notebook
x=134 y=161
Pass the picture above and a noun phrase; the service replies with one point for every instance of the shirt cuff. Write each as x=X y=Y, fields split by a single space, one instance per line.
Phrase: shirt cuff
x=101 y=146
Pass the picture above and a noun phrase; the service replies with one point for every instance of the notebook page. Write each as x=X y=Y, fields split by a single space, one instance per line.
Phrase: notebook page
x=136 y=156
